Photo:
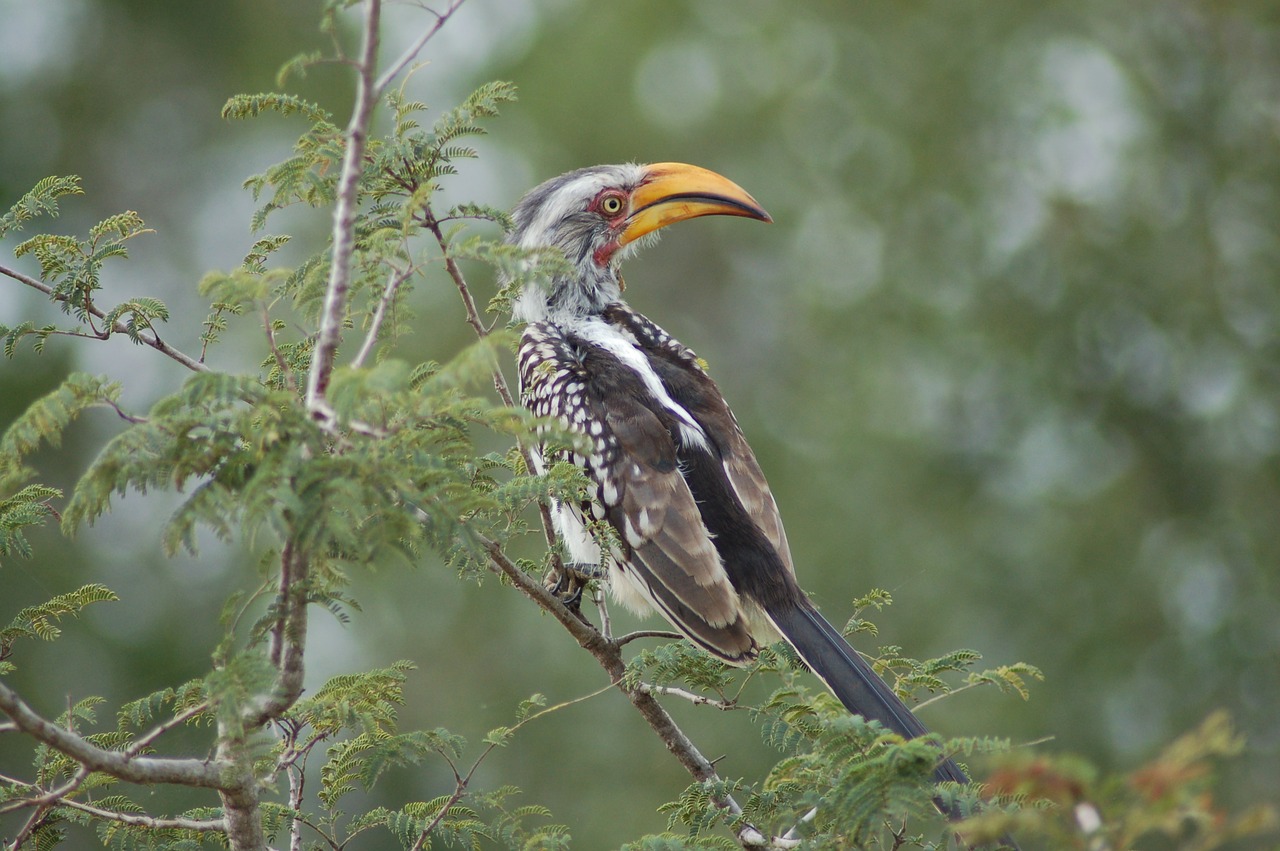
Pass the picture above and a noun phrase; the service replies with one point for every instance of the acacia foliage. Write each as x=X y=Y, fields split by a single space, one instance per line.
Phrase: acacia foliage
x=397 y=470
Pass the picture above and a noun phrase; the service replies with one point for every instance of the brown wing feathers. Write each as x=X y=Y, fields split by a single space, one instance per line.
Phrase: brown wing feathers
x=665 y=545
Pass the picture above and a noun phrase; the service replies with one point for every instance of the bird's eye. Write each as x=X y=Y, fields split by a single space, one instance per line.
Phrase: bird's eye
x=611 y=205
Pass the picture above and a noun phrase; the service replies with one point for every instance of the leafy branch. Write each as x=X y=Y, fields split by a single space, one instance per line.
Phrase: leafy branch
x=328 y=464
x=75 y=267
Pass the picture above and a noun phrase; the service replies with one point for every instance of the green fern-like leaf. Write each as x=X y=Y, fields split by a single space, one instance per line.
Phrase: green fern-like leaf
x=680 y=662
x=298 y=66
x=522 y=826
x=1009 y=678
x=366 y=701
x=456 y=824
x=74 y=266
x=122 y=225
x=170 y=701
x=28 y=507
x=41 y=621
x=482 y=212
x=359 y=761
x=255 y=260
x=697 y=809
x=42 y=200
x=137 y=315
x=251 y=106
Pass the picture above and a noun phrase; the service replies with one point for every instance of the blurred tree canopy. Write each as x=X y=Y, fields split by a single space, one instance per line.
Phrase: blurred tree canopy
x=1011 y=349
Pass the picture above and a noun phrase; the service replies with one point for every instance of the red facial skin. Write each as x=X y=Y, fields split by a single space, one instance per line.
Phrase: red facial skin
x=610 y=198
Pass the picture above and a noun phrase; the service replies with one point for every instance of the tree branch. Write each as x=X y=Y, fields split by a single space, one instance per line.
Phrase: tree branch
x=297 y=783
x=239 y=793
x=42 y=804
x=288 y=637
x=473 y=312
x=57 y=797
x=41 y=801
x=344 y=219
x=240 y=803
x=200 y=825
x=286 y=374
x=609 y=655
x=206 y=774
x=152 y=339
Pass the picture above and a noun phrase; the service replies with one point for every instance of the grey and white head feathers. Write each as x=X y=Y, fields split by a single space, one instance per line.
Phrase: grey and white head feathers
x=557 y=214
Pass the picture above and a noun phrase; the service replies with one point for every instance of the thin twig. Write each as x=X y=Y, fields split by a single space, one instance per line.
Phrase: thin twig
x=137 y=819
x=922 y=704
x=286 y=374
x=201 y=825
x=333 y=843
x=459 y=789
x=461 y=782
x=646 y=633
x=609 y=655
x=153 y=340
x=532 y=457
x=473 y=312
x=602 y=606
x=749 y=837
x=123 y=414
x=414 y=49
x=380 y=313
x=68 y=788
x=692 y=697
x=159 y=730
x=57 y=797
x=43 y=804
x=793 y=833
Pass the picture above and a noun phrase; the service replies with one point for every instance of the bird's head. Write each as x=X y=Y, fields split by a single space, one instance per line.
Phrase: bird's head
x=596 y=215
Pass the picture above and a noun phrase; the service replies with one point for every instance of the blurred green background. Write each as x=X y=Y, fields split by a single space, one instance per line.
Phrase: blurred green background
x=1011 y=349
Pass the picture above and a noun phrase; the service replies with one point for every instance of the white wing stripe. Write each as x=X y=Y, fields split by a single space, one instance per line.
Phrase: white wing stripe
x=600 y=333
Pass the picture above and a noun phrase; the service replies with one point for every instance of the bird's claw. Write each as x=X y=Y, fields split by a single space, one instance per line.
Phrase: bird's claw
x=568 y=584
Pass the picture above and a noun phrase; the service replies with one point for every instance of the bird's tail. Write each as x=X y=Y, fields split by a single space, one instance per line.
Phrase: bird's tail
x=853 y=681
x=850 y=677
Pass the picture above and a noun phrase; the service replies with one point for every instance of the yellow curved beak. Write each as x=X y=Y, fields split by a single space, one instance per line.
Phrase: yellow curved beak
x=673 y=192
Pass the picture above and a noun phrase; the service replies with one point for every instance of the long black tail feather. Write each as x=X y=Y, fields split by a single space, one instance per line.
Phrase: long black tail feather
x=851 y=678
x=855 y=684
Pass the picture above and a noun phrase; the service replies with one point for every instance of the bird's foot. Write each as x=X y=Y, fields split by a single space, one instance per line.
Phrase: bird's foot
x=568 y=584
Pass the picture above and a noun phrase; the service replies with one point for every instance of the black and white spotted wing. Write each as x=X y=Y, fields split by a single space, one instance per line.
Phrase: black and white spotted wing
x=666 y=559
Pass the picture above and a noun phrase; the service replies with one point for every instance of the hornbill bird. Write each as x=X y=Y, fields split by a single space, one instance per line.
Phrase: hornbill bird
x=699 y=537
